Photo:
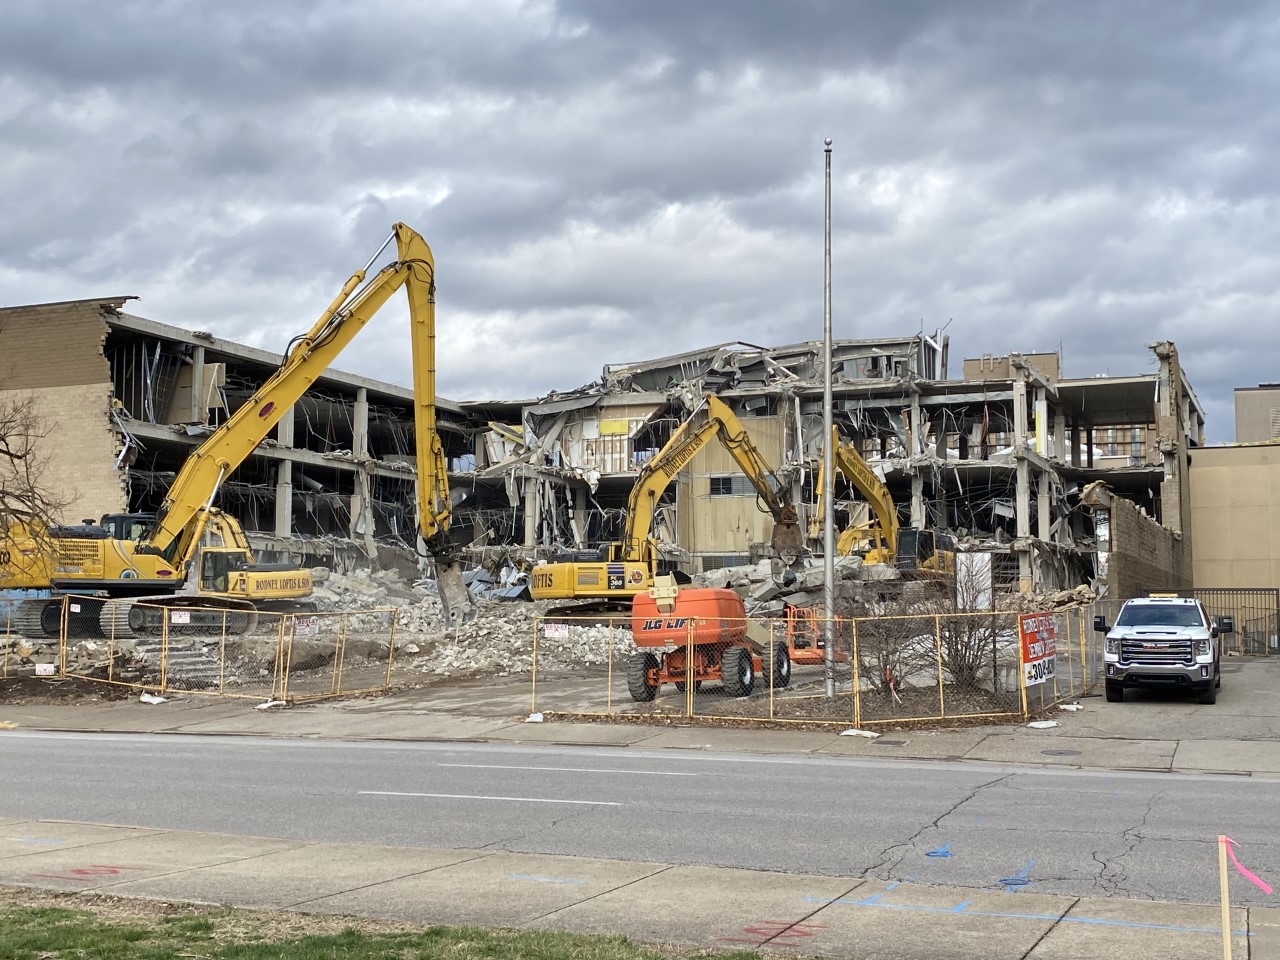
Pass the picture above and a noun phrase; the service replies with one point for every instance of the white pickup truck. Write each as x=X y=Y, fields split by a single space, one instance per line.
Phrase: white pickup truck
x=1163 y=641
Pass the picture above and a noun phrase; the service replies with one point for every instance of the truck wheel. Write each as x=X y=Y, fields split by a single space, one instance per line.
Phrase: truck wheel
x=1209 y=694
x=1115 y=692
x=638 y=685
x=738 y=671
x=777 y=671
x=1217 y=675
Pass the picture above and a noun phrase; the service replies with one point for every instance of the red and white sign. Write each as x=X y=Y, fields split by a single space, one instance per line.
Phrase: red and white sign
x=1039 y=641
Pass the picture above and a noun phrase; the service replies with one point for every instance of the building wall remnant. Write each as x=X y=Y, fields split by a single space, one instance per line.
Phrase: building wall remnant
x=51 y=355
x=1258 y=413
x=1235 y=515
x=1140 y=554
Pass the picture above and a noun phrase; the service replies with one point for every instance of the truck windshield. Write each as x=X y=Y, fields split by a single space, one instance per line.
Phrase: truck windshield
x=1160 y=615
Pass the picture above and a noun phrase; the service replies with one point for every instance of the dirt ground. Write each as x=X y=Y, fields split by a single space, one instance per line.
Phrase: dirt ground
x=20 y=690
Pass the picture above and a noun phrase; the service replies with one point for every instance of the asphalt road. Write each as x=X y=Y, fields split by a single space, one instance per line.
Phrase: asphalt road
x=1084 y=833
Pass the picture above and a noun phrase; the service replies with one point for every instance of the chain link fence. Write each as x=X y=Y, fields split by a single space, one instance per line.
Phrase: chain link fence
x=216 y=651
x=864 y=671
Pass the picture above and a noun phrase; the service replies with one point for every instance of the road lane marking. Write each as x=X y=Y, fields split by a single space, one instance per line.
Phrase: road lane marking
x=502 y=766
x=464 y=796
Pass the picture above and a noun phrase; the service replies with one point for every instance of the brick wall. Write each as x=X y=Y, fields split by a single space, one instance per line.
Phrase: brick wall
x=52 y=354
x=1144 y=555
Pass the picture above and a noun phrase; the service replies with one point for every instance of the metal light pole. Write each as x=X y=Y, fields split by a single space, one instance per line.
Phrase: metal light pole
x=828 y=457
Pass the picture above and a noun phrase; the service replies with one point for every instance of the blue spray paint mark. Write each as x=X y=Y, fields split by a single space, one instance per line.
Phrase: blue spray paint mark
x=941 y=852
x=1000 y=915
x=1019 y=879
x=525 y=876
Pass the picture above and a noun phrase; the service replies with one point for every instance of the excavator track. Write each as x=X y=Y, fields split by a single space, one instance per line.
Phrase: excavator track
x=42 y=617
x=145 y=617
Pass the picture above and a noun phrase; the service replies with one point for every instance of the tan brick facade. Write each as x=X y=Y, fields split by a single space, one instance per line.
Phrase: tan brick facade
x=52 y=354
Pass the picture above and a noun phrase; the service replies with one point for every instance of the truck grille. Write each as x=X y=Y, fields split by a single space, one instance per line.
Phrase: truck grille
x=1156 y=651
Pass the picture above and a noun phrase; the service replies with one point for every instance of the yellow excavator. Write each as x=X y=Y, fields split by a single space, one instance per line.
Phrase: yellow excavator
x=627 y=567
x=883 y=540
x=191 y=554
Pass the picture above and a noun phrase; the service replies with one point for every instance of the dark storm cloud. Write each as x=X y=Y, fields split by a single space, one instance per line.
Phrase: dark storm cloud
x=604 y=182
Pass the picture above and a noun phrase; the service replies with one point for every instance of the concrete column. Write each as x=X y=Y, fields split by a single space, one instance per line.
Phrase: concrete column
x=1019 y=414
x=916 y=445
x=360 y=424
x=1060 y=436
x=1043 y=508
x=199 y=413
x=917 y=501
x=1023 y=507
x=1042 y=423
x=1088 y=439
x=580 y=517
x=532 y=509
x=362 y=521
x=1075 y=443
x=940 y=439
x=284 y=478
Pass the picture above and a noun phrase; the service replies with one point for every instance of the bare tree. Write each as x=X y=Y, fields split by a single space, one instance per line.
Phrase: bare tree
x=27 y=503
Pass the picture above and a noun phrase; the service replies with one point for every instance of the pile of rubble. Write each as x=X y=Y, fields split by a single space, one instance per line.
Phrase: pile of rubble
x=499 y=642
x=768 y=590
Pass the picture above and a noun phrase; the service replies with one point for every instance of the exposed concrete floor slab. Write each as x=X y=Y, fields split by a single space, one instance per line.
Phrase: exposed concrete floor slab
x=288 y=878
x=500 y=889
x=702 y=906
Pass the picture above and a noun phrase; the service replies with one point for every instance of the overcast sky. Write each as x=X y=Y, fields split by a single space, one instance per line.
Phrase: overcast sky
x=609 y=182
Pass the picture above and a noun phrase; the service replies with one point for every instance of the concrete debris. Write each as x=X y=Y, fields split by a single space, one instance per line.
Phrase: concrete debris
x=152 y=698
x=1042 y=724
x=854 y=732
x=269 y=704
x=533 y=718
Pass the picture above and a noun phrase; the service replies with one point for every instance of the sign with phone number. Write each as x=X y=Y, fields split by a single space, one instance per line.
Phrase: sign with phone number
x=1038 y=633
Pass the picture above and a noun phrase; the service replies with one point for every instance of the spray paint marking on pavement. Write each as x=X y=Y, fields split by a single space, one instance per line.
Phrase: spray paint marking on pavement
x=962 y=907
x=526 y=876
x=942 y=851
x=775 y=933
x=1019 y=879
x=86 y=874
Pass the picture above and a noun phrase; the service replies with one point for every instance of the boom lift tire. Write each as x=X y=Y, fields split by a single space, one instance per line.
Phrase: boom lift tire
x=681 y=686
x=777 y=669
x=738 y=671
x=638 y=684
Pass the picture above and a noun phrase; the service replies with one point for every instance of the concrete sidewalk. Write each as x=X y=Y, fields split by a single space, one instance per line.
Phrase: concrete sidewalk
x=690 y=906
x=1088 y=739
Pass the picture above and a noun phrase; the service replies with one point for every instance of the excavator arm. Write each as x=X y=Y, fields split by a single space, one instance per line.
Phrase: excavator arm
x=723 y=424
x=179 y=522
x=856 y=470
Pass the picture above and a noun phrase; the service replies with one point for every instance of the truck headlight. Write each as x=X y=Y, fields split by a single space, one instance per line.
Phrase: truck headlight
x=1203 y=648
x=1112 y=646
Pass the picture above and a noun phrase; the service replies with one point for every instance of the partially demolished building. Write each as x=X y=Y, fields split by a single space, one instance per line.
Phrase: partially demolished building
x=1008 y=457
x=1001 y=457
